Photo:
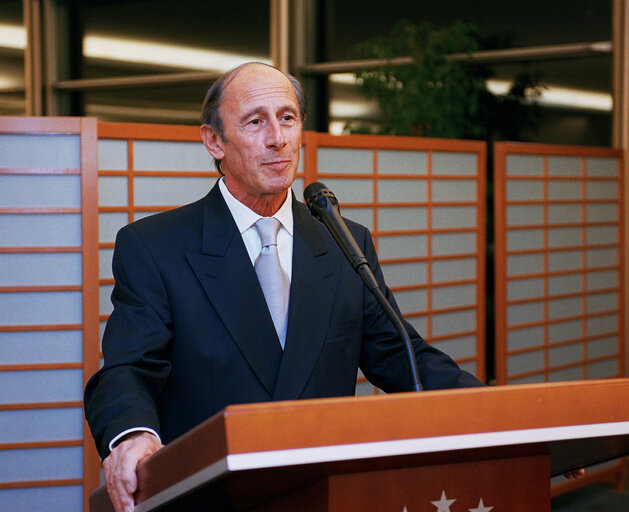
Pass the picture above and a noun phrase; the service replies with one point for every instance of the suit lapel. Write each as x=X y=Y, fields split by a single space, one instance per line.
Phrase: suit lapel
x=311 y=298
x=225 y=271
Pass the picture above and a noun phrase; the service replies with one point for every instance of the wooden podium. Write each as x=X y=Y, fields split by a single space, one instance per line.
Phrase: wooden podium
x=477 y=450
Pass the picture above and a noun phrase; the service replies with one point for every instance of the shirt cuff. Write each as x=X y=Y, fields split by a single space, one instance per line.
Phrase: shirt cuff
x=113 y=442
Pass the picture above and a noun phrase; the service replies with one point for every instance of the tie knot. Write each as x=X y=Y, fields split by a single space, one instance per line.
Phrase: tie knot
x=268 y=228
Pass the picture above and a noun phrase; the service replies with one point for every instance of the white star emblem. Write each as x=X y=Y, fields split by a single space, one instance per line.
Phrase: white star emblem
x=443 y=505
x=481 y=507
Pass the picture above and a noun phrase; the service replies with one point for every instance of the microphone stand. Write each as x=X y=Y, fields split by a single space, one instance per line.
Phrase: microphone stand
x=364 y=271
x=323 y=205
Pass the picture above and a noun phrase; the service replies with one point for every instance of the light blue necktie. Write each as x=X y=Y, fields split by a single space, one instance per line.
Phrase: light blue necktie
x=273 y=280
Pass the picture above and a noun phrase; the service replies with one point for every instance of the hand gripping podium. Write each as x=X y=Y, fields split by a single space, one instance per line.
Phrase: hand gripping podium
x=478 y=450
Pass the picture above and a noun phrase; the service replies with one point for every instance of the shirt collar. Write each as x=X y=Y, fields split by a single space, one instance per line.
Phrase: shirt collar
x=245 y=217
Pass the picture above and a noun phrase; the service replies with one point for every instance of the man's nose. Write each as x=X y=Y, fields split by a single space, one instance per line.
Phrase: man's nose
x=275 y=135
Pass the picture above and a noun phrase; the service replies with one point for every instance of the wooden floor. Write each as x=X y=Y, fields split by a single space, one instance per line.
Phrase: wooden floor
x=594 y=498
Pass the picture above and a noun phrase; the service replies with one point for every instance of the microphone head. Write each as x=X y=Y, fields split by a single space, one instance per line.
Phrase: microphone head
x=319 y=199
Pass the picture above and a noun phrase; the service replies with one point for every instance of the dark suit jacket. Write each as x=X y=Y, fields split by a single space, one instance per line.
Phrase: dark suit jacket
x=190 y=332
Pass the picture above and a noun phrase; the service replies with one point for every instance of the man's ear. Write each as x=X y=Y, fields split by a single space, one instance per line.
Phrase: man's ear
x=212 y=141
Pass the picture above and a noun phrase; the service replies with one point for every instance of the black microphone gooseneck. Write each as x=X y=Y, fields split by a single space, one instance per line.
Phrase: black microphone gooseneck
x=324 y=206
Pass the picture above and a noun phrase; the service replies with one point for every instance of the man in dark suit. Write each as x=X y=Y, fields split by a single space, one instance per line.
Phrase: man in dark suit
x=191 y=332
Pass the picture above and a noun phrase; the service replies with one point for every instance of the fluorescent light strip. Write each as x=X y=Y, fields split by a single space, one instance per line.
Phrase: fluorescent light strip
x=147 y=52
x=347 y=452
x=550 y=95
x=140 y=52
x=12 y=37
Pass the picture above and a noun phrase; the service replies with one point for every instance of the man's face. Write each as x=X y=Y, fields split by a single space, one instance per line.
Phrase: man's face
x=262 y=128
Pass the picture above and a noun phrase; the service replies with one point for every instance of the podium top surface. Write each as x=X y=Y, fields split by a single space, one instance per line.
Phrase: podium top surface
x=560 y=416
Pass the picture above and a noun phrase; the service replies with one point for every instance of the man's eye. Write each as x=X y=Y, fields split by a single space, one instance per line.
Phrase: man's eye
x=256 y=121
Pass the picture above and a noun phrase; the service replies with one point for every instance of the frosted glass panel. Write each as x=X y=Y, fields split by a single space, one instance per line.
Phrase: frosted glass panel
x=525 y=313
x=68 y=498
x=602 y=325
x=44 y=151
x=31 y=347
x=565 y=354
x=41 y=464
x=453 y=270
x=601 y=257
x=454 y=190
x=601 y=302
x=23 y=426
x=404 y=246
x=602 y=280
x=518 y=289
x=525 y=190
x=454 y=296
x=105 y=257
x=454 y=163
x=564 y=166
x=566 y=374
x=158 y=155
x=37 y=308
x=402 y=191
x=18 y=191
x=400 y=274
x=444 y=217
x=112 y=155
x=40 y=269
x=450 y=323
x=525 y=264
x=524 y=165
x=453 y=243
x=562 y=308
x=564 y=237
x=105 y=305
x=109 y=224
x=601 y=190
x=570 y=283
x=602 y=347
x=402 y=162
x=564 y=213
x=601 y=235
x=35 y=386
x=525 y=215
x=113 y=191
x=565 y=331
x=363 y=216
x=565 y=260
x=458 y=348
x=169 y=191
x=49 y=230
x=337 y=160
x=602 y=167
x=351 y=190
x=603 y=369
x=601 y=213
x=525 y=239
x=563 y=189
x=402 y=218
x=525 y=338
x=522 y=363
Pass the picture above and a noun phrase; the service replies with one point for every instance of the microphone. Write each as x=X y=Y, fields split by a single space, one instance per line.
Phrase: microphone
x=324 y=207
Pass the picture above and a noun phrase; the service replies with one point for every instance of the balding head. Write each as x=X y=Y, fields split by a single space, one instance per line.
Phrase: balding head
x=210 y=114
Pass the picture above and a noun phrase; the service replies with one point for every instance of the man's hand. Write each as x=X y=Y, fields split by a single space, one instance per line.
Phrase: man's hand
x=121 y=465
